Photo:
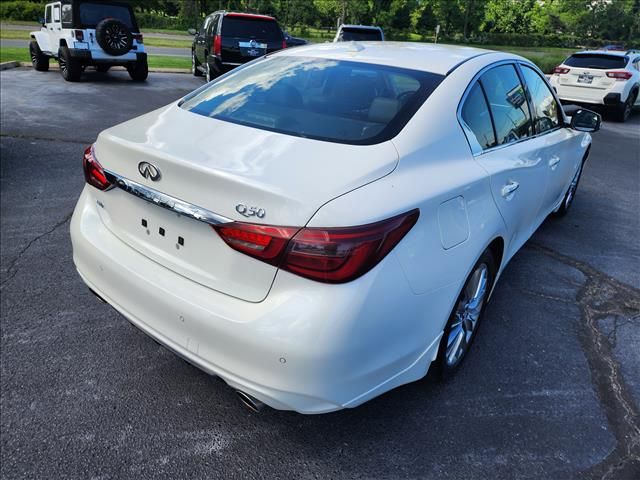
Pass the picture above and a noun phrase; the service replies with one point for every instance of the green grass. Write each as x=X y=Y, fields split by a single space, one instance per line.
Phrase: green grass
x=9 y=54
x=159 y=61
x=151 y=42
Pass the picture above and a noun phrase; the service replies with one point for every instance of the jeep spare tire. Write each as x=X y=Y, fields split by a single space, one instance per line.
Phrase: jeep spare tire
x=114 y=36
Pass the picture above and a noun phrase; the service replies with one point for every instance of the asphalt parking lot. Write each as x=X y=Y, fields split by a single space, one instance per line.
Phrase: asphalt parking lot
x=551 y=389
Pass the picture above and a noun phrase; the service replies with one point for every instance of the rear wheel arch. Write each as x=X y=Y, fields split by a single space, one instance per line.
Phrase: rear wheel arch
x=497 y=249
x=63 y=43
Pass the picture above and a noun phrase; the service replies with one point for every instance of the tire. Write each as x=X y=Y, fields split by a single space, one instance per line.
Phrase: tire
x=208 y=72
x=102 y=68
x=70 y=68
x=39 y=60
x=463 y=323
x=623 y=112
x=138 y=71
x=570 y=194
x=194 y=65
x=114 y=37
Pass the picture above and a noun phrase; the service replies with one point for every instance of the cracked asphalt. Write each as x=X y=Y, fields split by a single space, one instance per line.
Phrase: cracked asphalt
x=550 y=390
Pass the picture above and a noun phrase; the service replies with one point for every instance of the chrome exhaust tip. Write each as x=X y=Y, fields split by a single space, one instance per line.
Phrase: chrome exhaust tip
x=248 y=401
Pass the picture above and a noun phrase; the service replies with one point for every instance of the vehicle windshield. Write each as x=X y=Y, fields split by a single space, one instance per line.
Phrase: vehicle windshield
x=349 y=34
x=247 y=27
x=330 y=100
x=600 y=61
x=93 y=13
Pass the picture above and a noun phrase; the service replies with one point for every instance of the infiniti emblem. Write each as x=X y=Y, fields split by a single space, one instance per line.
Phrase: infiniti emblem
x=253 y=43
x=149 y=171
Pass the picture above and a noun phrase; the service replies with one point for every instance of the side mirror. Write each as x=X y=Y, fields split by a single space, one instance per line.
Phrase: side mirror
x=192 y=31
x=41 y=21
x=584 y=120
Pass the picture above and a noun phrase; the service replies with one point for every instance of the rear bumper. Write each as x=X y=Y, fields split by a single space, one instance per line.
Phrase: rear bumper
x=308 y=347
x=613 y=96
x=94 y=57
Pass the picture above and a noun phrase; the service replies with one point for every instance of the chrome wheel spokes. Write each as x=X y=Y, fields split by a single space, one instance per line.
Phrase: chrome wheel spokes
x=467 y=314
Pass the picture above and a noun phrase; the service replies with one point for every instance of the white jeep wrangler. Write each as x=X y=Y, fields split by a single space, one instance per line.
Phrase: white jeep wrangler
x=81 y=33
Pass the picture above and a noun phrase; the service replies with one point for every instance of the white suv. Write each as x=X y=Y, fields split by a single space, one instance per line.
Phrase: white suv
x=81 y=33
x=600 y=77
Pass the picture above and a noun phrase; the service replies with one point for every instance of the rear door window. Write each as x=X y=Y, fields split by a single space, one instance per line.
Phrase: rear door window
x=544 y=105
x=248 y=27
x=475 y=113
x=508 y=104
x=599 y=61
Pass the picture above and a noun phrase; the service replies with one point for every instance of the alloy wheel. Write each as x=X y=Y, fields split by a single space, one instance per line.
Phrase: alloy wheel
x=467 y=314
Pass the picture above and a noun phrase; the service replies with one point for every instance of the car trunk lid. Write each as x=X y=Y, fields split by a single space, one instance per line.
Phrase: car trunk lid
x=231 y=170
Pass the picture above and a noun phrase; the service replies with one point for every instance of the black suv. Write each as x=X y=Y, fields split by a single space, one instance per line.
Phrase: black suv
x=227 y=39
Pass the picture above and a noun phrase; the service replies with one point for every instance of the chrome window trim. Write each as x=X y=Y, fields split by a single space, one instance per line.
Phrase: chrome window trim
x=474 y=145
x=165 y=201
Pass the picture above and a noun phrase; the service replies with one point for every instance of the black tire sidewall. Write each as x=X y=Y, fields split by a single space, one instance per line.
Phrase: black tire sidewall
x=443 y=370
x=41 y=62
x=74 y=68
x=101 y=28
x=138 y=71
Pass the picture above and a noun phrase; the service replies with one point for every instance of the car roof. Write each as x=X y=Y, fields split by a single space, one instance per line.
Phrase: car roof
x=241 y=15
x=613 y=53
x=429 y=57
x=370 y=27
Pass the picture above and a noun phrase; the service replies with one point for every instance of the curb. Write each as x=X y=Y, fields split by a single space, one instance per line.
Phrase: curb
x=54 y=66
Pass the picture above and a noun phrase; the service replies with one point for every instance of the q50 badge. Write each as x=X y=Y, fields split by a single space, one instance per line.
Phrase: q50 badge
x=245 y=211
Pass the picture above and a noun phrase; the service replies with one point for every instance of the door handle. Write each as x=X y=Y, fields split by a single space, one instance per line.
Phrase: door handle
x=553 y=163
x=509 y=188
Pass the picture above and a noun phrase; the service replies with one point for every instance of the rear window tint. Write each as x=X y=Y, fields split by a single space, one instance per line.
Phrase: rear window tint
x=596 y=60
x=360 y=34
x=330 y=100
x=93 y=13
x=475 y=113
x=247 y=27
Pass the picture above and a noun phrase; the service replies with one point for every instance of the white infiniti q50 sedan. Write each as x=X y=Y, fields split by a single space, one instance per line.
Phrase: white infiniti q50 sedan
x=327 y=223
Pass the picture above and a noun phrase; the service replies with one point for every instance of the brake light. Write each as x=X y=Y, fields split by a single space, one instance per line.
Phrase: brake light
x=93 y=172
x=561 y=70
x=329 y=255
x=138 y=38
x=284 y=44
x=79 y=35
x=217 y=45
x=620 y=75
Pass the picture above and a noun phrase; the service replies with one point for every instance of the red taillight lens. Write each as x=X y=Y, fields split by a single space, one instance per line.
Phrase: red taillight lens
x=264 y=242
x=561 y=70
x=93 y=171
x=284 y=44
x=79 y=35
x=330 y=255
x=217 y=45
x=139 y=38
x=620 y=75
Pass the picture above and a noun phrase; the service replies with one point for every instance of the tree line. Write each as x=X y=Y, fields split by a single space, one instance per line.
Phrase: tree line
x=463 y=20
x=612 y=19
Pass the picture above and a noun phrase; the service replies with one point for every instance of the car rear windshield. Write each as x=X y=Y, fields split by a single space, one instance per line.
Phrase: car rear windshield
x=248 y=27
x=600 y=61
x=360 y=34
x=93 y=13
x=323 y=99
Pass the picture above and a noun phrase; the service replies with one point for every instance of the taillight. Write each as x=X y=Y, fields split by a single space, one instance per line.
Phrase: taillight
x=619 y=75
x=284 y=44
x=561 y=70
x=79 y=35
x=217 y=45
x=330 y=255
x=93 y=171
x=138 y=38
